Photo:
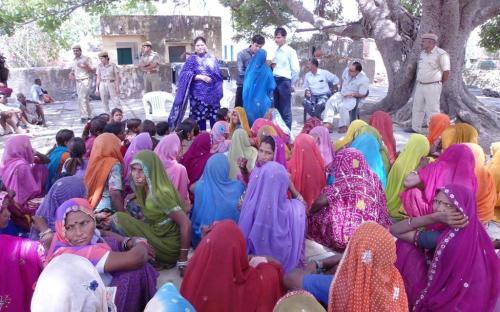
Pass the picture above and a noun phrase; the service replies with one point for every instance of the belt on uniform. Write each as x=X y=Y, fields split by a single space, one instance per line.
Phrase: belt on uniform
x=152 y=72
x=82 y=79
x=428 y=83
x=107 y=80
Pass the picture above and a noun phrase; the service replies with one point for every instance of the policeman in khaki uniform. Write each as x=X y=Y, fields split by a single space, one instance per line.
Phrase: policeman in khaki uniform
x=81 y=71
x=149 y=63
x=432 y=71
x=108 y=82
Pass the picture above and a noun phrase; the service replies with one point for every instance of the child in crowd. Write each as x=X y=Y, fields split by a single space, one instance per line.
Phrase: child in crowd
x=162 y=130
x=116 y=115
x=149 y=126
x=222 y=114
x=58 y=155
x=94 y=128
x=105 y=116
x=133 y=129
x=186 y=132
x=118 y=129
x=75 y=164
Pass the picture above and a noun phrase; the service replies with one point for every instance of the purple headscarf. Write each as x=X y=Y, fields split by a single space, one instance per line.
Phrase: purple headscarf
x=61 y=191
x=209 y=93
x=141 y=142
x=272 y=224
x=464 y=272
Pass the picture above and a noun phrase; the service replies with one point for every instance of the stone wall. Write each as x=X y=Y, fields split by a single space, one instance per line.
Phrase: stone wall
x=56 y=82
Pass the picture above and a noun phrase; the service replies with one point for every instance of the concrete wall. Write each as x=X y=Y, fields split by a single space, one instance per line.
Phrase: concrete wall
x=162 y=30
x=56 y=82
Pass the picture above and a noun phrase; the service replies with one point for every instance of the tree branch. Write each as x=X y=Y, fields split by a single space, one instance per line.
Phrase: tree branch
x=489 y=9
x=302 y=14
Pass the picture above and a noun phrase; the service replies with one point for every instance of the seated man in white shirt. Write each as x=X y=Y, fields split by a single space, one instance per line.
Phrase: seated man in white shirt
x=8 y=116
x=317 y=84
x=354 y=86
x=32 y=111
x=38 y=94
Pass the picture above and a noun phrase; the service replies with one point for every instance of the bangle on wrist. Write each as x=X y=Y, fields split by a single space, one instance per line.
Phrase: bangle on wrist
x=125 y=243
x=409 y=223
x=47 y=231
x=319 y=266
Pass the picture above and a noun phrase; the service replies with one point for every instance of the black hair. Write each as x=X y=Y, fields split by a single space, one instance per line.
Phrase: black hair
x=358 y=66
x=76 y=149
x=222 y=114
x=269 y=140
x=258 y=39
x=105 y=116
x=162 y=128
x=198 y=39
x=116 y=110
x=315 y=62
x=38 y=79
x=184 y=129
x=280 y=31
x=149 y=127
x=63 y=136
x=114 y=127
x=194 y=124
x=97 y=125
x=133 y=123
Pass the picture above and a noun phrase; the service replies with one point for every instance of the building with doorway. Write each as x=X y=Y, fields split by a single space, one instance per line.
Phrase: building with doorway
x=170 y=35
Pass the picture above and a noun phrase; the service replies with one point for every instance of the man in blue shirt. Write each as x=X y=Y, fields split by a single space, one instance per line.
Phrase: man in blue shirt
x=286 y=71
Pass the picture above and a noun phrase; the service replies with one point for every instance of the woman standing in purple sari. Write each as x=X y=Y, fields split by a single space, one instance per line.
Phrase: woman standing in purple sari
x=272 y=224
x=200 y=81
x=447 y=260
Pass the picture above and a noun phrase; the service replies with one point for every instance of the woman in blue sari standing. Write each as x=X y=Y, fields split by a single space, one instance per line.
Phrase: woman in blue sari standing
x=258 y=86
x=200 y=81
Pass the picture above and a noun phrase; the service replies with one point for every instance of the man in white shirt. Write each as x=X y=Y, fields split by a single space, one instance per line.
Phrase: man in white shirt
x=286 y=71
x=317 y=84
x=433 y=70
x=354 y=86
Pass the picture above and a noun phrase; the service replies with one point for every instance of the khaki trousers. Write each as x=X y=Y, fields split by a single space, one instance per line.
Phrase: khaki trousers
x=425 y=104
x=107 y=92
x=151 y=82
x=82 y=90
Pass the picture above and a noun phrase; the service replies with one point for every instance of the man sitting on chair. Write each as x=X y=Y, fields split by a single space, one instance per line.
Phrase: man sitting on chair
x=354 y=86
x=317 y=84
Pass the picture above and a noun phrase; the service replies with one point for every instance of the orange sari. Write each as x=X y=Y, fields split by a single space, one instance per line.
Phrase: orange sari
x=486 y=196
x=383 y=123
x=459 y=133
x=105 y=153
x=494 y=168
x=367 y=279
x=242 y=116
x=437 y=124
x=307 y=168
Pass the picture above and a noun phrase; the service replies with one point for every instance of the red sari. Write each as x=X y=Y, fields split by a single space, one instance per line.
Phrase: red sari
x=220 y=278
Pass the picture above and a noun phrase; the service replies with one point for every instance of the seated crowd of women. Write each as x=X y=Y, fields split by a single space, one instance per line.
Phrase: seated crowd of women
x=412 y=229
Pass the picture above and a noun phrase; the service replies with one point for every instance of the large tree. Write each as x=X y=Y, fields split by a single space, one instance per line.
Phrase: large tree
x=397 y=34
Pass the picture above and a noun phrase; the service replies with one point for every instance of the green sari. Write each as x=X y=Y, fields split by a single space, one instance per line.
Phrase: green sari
x=407 y=161
x=157 y=202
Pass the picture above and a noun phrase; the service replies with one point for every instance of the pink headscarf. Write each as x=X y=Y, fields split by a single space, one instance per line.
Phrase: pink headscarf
x=454 y=166
x=16 y=169
x=219 y=142
x=141 y=142
x=325 y=143
x=261 y=122
x=167 y=150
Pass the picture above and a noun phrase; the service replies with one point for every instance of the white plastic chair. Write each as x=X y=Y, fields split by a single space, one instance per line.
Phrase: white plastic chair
x=156 y=103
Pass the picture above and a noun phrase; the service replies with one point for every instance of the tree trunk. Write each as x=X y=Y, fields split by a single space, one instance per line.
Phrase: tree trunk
x=397 y=35
x=453 y=22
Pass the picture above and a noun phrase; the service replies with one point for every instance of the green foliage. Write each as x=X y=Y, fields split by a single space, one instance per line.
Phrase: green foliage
x=490 y=35
x=254 y=16
x=51 y=14
x=32 y=41
x=414 y=7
